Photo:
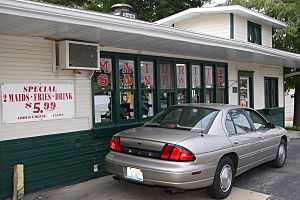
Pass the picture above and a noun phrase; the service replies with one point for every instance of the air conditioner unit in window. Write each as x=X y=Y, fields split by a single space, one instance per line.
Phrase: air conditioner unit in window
x=78 y=55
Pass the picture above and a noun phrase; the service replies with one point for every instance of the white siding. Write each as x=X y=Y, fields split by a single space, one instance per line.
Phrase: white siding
x=258 y=81
x=266 y=32
x=29 y=60
x=240 y=28
x=241 y=31
x=213 y=24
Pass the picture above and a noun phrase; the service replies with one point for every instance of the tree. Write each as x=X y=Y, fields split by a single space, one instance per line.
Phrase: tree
x=287 y=39
x=148 y=10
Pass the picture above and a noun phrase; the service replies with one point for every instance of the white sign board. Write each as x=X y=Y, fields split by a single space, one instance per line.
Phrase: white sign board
x=36 y=102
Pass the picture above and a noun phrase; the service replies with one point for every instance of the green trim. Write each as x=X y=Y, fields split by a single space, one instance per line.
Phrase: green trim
x=157 y=90
x=231 y=26
x=251 y=85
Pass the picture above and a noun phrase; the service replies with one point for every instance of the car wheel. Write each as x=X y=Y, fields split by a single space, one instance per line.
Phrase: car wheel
x=279 y=161
x=223 y=179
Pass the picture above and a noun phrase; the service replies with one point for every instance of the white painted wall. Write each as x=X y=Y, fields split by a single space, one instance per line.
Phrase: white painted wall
x=241 y=31
x=258 y=80
x=29 y=60
x=213 y=24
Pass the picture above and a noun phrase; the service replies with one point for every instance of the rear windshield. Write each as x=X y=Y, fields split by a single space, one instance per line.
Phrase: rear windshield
x=196 y=119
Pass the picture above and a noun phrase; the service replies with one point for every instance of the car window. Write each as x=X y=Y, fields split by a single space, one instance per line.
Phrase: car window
x=229 y=125
x=185 y=117
x=257 y=120
x=240 y=121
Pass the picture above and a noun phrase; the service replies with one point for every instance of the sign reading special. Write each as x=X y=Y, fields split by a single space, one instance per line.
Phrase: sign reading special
x=36 y=102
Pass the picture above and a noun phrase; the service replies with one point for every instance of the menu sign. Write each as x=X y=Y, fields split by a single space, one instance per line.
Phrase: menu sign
x=36 y=102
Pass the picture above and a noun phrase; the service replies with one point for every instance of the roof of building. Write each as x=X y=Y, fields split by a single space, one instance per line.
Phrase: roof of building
x=237 y=10
x=34 y=19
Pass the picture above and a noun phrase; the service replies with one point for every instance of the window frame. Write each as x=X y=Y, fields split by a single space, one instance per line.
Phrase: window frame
x=268 y=97
x=112 y=90
x=251 y=26
x=258 y=114
x=115 y=91
x=248 y=119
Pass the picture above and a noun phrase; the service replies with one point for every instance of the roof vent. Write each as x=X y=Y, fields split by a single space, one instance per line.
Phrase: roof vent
x=123 y=10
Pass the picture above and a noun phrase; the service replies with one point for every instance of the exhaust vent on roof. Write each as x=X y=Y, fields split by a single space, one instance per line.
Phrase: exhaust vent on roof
x=123 y=10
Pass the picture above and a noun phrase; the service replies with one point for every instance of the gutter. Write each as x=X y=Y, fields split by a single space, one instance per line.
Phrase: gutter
x=61 y=14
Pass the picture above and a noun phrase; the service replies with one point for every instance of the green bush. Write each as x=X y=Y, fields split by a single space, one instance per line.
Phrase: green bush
x=293 y=128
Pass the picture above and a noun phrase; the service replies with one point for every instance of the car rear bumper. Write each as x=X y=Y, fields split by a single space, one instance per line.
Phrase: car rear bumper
x=160 y=172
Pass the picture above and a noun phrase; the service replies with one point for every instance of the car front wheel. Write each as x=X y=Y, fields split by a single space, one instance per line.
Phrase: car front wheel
x=281 y=155
x=223 y=179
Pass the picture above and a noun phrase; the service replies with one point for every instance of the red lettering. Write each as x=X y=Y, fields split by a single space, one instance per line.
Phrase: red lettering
x=103 y=80
x=195 y=70
x=181 y=69
x=126 y=68
x=127 y=80
x=165 y=81
x=146 y=66
x=164 y=68
x=104 y=66
x=181 y=81
x=147 y=80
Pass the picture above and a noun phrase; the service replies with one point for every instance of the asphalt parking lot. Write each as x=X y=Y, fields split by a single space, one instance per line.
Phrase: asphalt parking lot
x=260 y=183
x=283 y=182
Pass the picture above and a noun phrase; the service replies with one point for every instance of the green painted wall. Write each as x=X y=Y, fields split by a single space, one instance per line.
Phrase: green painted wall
x=274 y=115
x=53 y=160
x=56 y=160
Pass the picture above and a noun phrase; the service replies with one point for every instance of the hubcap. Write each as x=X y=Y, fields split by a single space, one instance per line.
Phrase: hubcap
x=281 y=153
x=226 y=178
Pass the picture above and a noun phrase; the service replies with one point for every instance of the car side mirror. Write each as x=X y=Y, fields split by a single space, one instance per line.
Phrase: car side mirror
x=270 y=125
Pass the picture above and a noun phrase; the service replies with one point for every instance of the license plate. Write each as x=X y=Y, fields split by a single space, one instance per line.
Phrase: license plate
x=134 y=173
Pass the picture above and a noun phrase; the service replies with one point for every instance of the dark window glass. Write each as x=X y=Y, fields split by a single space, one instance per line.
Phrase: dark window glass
x=240 y=120
x=254 y=33
x=271 y=92
x=189 y=118
x=147 y=103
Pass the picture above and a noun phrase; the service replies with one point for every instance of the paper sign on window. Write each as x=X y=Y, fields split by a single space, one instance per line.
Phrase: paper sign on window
x=181 y=75
x=209 y=76
x=126 y=71
x=147 y=74
x=196 y=74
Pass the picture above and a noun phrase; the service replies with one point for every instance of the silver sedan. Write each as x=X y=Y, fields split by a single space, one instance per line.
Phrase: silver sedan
x=197 y=145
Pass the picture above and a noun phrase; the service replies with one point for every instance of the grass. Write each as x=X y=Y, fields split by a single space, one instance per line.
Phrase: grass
x=293 y=128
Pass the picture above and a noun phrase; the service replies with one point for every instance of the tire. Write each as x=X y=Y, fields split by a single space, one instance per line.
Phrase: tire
x=280 y=159
x=221 y=187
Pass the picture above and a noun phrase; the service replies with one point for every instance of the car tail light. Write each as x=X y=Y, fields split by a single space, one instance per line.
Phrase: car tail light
x=176 y=153
x=115 y=144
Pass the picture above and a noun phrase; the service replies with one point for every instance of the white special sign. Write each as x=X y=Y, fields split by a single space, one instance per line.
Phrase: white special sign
x=36 y=102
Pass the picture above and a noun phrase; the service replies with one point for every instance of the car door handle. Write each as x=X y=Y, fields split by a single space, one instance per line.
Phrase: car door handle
x=236 y=142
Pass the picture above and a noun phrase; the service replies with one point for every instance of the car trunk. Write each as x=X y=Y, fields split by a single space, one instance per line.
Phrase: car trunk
x=149 y=141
